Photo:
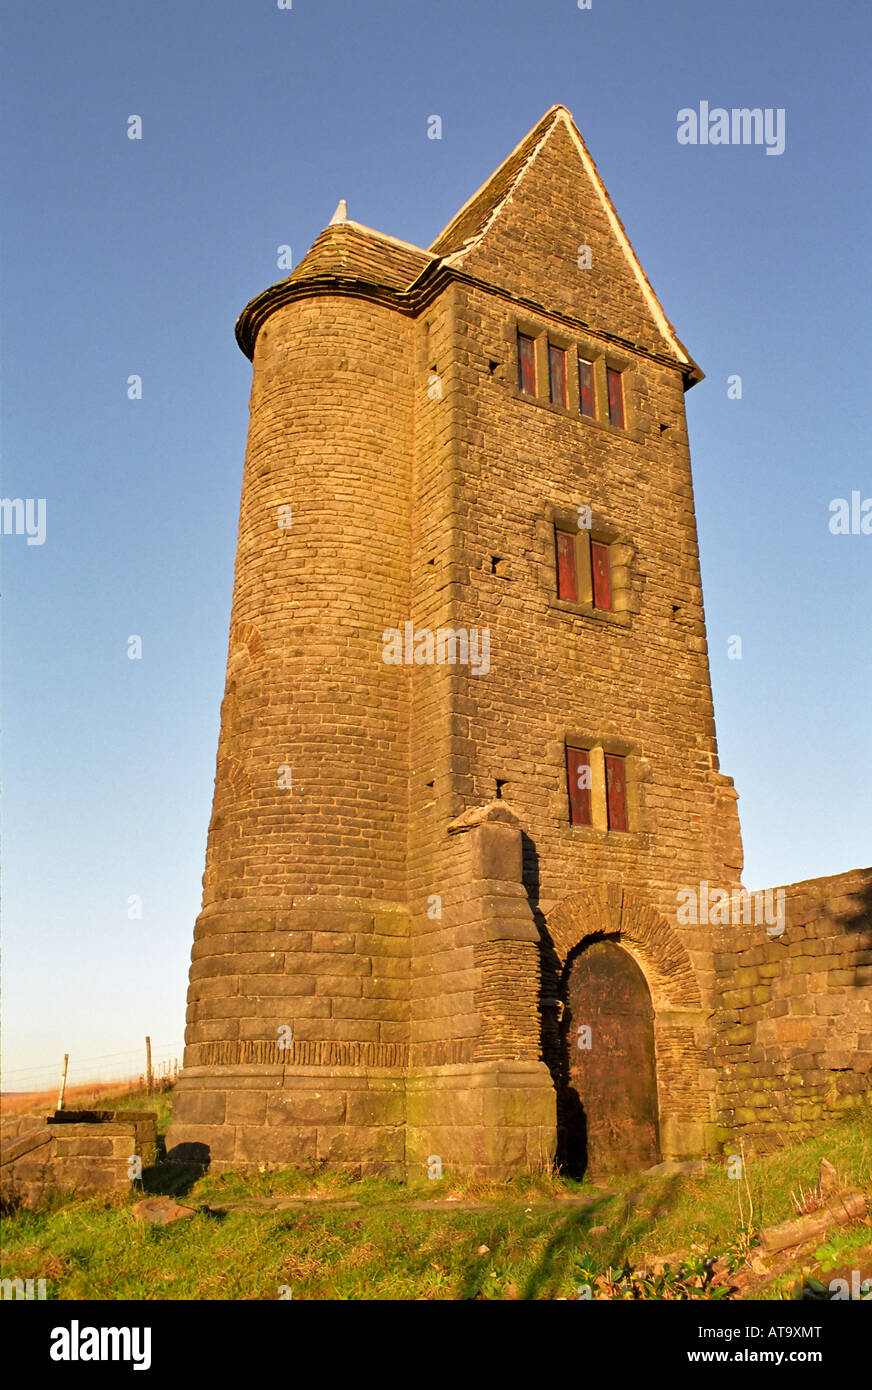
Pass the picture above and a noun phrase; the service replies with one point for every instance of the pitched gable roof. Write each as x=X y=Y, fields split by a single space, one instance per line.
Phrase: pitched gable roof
x=499 y=198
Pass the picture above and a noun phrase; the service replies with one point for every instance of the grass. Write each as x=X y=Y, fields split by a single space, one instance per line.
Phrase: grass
x=117 y=1096
x=529 y=1243
x=101 y=1096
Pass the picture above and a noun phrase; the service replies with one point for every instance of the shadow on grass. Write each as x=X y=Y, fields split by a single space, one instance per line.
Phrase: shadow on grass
x=172 y=1178
x=569 y=1245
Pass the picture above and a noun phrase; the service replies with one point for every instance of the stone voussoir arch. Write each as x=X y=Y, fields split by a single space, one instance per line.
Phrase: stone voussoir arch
x=626 y=916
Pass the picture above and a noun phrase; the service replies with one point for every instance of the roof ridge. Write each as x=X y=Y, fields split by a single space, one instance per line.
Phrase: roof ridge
x=531 y=137
x=385 y=236
x=505 y=197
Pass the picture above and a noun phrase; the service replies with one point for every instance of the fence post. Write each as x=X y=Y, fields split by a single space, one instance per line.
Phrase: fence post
x=63 y=1081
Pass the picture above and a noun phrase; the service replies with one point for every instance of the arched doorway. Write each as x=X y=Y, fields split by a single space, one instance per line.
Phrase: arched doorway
x=608 y=1115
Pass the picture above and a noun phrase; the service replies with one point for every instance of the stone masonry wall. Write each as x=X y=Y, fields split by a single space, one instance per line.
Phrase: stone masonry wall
x=301 y=954
x=330 y=440
x=555 y=672
x=492 y=467
x=793 y=1031
x=302 y=922
x=81 y=1151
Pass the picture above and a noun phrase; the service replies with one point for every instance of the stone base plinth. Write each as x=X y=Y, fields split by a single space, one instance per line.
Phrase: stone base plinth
x=269 y=1116
x=488 y=1119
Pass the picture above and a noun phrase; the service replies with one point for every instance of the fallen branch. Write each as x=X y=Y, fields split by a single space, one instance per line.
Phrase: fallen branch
x=839 y=1211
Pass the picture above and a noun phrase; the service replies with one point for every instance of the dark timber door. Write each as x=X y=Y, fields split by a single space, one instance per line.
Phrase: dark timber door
x=610 y=1109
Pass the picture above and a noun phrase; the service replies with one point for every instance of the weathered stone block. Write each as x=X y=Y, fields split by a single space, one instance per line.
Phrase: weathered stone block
x=360 y=1144
x=246 y=1107
x=206 y=1108
x=306 y=1107
x=376 y=1108
x=286 y=1145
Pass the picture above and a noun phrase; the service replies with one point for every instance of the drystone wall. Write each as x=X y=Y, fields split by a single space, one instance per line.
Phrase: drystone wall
x=75 y=1150
x=793 y=1029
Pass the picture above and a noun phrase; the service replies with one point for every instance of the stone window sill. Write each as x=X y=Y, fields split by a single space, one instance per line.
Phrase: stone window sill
x=587 y=610
x=576 y=415
x=633 y=839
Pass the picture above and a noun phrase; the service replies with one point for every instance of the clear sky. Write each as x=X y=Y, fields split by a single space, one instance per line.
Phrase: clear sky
x=133 y=257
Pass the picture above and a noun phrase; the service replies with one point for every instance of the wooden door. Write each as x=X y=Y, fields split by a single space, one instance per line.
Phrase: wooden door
x=610 y=1110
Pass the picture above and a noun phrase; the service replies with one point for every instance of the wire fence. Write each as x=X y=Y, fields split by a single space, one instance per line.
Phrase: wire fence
x=99 y=1070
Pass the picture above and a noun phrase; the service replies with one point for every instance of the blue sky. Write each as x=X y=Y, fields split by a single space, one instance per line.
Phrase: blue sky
x=126 y=257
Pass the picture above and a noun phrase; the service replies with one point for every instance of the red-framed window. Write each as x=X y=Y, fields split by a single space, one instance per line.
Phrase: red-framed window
x=586 y=390
x=567 y=565
x=616 y=791
x=616 y=397
x=557 y=375
x=578 y=785
x=526 y=365
x=600 y=575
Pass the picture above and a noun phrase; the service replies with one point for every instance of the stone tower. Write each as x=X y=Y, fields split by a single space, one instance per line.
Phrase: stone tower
x=467 y=740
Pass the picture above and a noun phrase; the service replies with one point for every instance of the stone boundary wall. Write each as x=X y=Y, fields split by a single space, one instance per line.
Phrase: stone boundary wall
x=793 y=1027
x=13 y=1125
x=76 y=1150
